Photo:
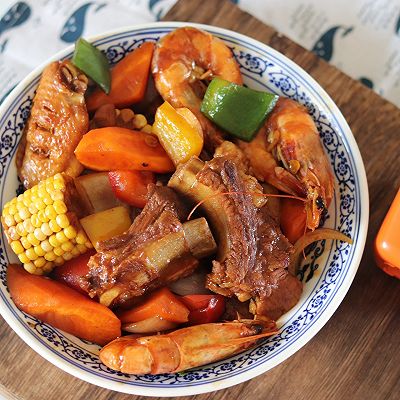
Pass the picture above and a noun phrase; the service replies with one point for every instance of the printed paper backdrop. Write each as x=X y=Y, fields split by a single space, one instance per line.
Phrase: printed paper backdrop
x=361 y=37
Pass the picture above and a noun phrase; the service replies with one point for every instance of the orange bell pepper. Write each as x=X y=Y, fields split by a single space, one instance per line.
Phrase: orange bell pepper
x=128 y=80
x=114 y=148
x=293 y=219
x=62 y=307
x=131 y=186
x=162 y=303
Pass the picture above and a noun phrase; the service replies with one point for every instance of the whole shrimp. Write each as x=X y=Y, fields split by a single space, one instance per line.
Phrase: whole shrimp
x=184 y=348
x=184 y=58
x=287 y=153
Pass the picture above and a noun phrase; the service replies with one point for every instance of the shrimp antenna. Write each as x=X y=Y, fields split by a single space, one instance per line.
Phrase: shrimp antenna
x=288 y=196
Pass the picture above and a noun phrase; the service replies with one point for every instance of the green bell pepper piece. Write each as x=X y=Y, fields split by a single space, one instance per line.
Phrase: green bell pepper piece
x=238 y=110
x=93 y=63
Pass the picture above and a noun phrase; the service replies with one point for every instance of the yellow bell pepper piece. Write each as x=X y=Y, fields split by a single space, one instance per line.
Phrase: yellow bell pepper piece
x=106 y=224
x=179 y=132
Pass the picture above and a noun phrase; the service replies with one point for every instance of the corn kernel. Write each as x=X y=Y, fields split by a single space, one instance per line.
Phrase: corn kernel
x=48 y=266
x=28 y=226
x=39 y=250
x=39 y=203
x=39 y=235
x=50 y=212
x=42 y=216
x=6 y=210
x=59 y=261
x=89 y=244
x=23 y=258
x=30 y=253
x=147 y=128
x=27 y=198
x=9 y=220
x=24 y=213
x=49 y=185
x=61 y=237
x=40 y=262
x=13 y=234
x=54 y=226
x=12 y=209
x=75 y=252
x=60 y=207
x=20 y=229
x=32 y=240
x=46 y=246
x=58 y=182
x=20 y=205
x=50 y=256
x=47 y=200
x=30 y=267
x=17 y=247
x=70 y=232
x=67 y=256
x=42 y=190
x=139 y=121
x=57 y=195
x=62 y=220
x=67 y=246
x=81 y=248
x=25 y=242
x=17 y=218
x=45 y=227
x=81 y=238
x=35 y=221
x=32 y=208
x=53 y=241
x=58 y=251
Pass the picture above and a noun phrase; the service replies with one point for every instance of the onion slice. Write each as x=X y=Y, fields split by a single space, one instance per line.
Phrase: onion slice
x=310 y=237
x=149 y=325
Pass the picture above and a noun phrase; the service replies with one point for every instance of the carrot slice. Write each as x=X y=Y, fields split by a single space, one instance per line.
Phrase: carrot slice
x=62 y=307
x=162 y=303
x=128 y=80
x=114 y=148
x=293 y=219
x=131 y=186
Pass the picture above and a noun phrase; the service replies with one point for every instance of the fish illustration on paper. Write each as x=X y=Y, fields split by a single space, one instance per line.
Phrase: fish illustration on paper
x=323 y=47
x=3 y=46
x=75 y=24
x=367 y=82
x=15 y=16
x=157 y=8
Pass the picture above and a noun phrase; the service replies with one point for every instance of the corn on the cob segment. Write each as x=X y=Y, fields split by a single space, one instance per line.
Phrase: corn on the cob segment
x=41 y=225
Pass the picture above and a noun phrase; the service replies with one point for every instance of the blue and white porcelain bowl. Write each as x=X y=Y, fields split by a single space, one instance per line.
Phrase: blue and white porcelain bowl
x=329 y=268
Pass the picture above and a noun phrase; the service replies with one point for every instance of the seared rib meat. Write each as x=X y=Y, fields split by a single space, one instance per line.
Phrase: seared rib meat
x=253 y=255
x=157 y=249
x=57 y=123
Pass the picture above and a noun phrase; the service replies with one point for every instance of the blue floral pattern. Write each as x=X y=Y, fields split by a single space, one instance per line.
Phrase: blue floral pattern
x=273 y=73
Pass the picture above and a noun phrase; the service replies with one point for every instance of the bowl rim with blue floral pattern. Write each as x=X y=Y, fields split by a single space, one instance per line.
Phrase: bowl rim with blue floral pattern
x=334 y=265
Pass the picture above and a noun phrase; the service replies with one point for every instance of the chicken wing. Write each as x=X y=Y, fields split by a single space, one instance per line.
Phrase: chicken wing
x=57 y=122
